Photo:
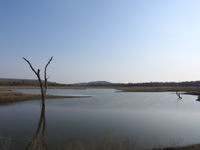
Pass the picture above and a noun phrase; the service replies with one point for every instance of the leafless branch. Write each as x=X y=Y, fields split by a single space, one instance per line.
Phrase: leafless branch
x=37 y=73
x=32 y=67
x=45 y=73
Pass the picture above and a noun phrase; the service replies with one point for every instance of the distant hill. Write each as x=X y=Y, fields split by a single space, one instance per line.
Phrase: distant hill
x=24 y=82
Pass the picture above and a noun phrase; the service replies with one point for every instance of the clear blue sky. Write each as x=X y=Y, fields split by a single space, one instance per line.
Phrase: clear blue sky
x=113 y=40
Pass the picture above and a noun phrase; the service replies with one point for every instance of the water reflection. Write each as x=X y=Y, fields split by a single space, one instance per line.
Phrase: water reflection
x=38 y=141
x=109 y=142
x=179 y=95
x=77 y=124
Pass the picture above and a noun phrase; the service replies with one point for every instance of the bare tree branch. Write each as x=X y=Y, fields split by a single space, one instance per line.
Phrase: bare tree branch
x=31 y=66
x=45 y=73
x=43 y=87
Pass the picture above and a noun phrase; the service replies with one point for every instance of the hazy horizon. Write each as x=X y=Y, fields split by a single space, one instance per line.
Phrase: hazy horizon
x=118 y=41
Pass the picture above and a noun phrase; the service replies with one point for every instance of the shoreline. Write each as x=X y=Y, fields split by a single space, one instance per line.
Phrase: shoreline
x=188 y=90
x=12 y=97
x=184 y=90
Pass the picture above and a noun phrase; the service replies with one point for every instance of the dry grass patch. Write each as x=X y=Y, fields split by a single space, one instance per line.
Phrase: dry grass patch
x=15 y=97
x=188 y=90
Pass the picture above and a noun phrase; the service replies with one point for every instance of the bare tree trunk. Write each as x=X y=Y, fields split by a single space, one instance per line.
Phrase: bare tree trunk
x=43 y=87
x=46 y=78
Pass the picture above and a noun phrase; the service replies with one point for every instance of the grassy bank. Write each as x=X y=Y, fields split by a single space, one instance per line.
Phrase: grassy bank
x=16 y=97
x=186 y=90
x=8 y=88
x=145 y=89
x=192 y=92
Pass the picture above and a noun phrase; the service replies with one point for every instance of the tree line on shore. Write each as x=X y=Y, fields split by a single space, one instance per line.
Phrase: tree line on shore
x=27 y=82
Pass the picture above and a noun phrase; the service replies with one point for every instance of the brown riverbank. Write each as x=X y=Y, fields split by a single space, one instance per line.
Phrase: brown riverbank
x=186 y=90
x=9 y=97
x=9 y=88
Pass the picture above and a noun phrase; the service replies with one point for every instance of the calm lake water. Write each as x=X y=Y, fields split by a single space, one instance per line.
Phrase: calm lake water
x=148 y=119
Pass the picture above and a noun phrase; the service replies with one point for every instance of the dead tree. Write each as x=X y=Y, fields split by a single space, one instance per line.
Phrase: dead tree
x=179 y=95
x=43 y=85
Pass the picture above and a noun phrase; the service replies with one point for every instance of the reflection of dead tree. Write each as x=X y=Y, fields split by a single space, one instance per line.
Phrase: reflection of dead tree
x=38 y=141
x=179 y=95
x=43 y=87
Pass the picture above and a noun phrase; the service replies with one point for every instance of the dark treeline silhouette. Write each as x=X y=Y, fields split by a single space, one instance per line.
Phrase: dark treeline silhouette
x=25 y=82
x=166 y=84
x=147 y=84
